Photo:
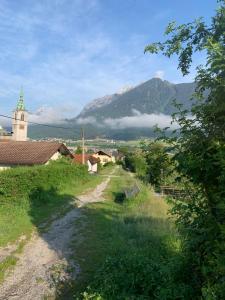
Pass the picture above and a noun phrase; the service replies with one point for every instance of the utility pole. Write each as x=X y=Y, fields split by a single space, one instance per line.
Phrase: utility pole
x=82 y=136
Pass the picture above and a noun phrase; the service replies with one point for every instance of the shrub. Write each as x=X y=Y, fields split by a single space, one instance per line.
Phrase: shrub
x=138 y=276
x=108 y=164
x=18 y=183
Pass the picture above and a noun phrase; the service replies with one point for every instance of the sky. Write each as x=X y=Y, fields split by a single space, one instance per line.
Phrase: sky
x=66 y=53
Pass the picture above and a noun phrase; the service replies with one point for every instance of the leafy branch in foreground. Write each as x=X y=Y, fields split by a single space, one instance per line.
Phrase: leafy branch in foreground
x=200 y=150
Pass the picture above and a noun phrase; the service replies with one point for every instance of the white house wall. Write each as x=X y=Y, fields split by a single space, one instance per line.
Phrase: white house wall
x=55 y=156
x=2 y=167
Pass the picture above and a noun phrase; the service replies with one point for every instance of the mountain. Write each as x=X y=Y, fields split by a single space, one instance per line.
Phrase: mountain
x=103 y=101
x=128 y=114
x=154 y=96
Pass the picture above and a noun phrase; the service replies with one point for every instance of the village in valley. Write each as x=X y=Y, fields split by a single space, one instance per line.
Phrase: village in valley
x=112 y=169
x=18 y=150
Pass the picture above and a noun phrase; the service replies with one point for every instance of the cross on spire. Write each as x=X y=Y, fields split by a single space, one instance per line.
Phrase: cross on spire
x=20 y=104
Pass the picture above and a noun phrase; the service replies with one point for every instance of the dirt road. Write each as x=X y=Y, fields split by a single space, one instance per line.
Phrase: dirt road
x=45 y=260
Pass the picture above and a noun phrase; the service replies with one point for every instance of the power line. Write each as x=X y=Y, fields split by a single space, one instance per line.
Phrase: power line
x=34 y=123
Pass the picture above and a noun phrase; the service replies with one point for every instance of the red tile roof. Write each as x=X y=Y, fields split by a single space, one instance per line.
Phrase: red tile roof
x=29 y=153
x=78 y=158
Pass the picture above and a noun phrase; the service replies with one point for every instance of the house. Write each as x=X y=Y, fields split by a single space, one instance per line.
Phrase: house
x=28 y=153
x=89 y=160
x=104 y=157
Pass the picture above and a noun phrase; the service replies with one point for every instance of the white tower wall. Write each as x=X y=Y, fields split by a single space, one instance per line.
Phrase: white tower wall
x=19 y=126
x=19 y=123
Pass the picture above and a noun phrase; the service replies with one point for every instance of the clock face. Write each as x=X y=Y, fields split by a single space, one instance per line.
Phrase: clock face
x=22 y=127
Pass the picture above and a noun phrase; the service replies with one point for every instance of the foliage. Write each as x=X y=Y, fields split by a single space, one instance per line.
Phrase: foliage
x=108 y=164
x=30 y=195
x=16 y=184
x=130 y=250
x=158 y=162
x=136 y=162
x=90 y=151
x=78 y=150
x=6 y=265
x=151 y=162
x=200 y=151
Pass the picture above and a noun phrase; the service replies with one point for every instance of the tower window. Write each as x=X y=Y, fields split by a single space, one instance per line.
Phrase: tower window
x=22 y=117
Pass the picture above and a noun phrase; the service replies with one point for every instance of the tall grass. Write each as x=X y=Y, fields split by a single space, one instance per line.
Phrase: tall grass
x=30 y=195
x=130 y=250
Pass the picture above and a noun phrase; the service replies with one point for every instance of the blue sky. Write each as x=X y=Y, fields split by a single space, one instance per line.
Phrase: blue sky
x=67 y=52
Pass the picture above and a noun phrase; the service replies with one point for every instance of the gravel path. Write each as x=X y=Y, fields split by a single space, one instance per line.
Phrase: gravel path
x=46 y=257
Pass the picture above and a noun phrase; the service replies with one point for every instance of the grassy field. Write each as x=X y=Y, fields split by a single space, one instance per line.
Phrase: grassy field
x=129 y=250
x=106 y=144
x=31 y=196
x=16 y=220
x=20 y=216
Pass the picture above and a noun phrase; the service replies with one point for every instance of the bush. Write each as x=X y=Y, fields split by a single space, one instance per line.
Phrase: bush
x=138 y=276
x=108 y=164
x=17 y=184
x=30 y=195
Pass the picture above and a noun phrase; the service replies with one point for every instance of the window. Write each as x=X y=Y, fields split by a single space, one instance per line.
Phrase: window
x=22 y=117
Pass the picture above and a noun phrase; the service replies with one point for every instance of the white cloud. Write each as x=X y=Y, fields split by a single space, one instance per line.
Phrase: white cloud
x=48 y=115
x=159 y=74
x=43 y=115
x=88 y=120
x=141 y=121
x=138 y=120
x=62 y=52
x=5 y=122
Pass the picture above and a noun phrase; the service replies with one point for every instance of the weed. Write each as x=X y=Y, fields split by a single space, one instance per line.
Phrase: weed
x=6 y=265
x=129 y=250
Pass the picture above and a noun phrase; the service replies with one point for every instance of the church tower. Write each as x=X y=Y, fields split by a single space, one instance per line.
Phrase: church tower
x=19 y=123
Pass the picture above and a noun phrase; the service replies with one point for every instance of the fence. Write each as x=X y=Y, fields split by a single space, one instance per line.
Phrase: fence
x=172 y=191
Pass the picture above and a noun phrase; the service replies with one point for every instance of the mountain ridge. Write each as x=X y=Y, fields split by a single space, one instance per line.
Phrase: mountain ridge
x=152 y=96
x=128 y=115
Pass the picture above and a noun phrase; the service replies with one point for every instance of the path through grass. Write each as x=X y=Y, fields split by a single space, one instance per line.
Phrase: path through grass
x=31 y=196
x=129 y=250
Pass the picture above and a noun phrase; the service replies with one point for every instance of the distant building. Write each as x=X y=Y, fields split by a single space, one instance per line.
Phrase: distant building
x=118 y=155
x=104 y=157
x=19 y=123
x=4 y=135
x=89 y=160
x=28 y=153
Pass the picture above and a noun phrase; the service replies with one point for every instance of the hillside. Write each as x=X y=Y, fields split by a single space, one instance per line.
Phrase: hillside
x=130 y=114
x=152 y=96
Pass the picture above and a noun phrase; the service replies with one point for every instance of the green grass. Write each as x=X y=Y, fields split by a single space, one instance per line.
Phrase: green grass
x=106 y=170
x=14 y=221
x=28 y=199
x=129 y=250
x=22 y=212
x=6 y=265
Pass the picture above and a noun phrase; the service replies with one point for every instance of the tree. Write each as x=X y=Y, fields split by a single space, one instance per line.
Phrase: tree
x=135 y=161
x=158 y=165
x=200 y=150
x=78 y=150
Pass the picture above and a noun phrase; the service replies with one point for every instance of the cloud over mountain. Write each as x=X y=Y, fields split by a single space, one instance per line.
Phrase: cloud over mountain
x=138 y=120
x=141 y=121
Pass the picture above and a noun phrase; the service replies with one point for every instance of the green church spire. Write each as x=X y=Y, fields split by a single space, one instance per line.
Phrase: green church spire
x=20 y=104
